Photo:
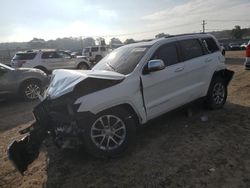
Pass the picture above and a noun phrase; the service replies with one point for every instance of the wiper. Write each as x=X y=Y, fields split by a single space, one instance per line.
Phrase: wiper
x=111 y=66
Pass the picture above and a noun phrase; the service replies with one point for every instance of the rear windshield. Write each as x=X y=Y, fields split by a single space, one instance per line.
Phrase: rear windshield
x=24 y=56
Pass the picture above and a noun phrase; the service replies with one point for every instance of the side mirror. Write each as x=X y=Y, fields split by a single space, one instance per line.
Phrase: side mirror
x=155 y=65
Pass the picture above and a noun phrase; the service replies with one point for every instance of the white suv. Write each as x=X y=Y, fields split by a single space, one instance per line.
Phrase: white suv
x=48 y=60
x=132 y=85
x=95 y=53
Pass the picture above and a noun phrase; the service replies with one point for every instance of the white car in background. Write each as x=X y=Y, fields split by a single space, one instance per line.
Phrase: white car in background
x=48 y=60
x=95 y=53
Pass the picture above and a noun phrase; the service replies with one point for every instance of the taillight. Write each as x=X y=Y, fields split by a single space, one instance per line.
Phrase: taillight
x=248 y=50
x=20 y=63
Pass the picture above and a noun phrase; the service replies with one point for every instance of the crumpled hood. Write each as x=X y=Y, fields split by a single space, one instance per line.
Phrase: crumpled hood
x=64 y=81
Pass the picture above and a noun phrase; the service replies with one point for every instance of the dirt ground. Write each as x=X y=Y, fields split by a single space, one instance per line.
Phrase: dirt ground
x=171 y=151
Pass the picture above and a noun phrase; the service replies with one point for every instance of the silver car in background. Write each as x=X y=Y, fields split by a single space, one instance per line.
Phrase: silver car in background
x=24 y=82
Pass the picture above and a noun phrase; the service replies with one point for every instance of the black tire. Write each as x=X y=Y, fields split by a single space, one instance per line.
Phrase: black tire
x=83 y=66
x=217 y=93
x=29 y=88
x=98 y=58
x=126 y=129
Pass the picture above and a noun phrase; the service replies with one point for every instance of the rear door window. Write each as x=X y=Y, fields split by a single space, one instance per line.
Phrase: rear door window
x=50 y=55
x=24 y=56
x=167 y=53
x=210 y=45
x=190 y=49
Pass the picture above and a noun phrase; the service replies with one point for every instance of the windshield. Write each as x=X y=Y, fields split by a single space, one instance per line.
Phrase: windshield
x=122 y=60
x=6 y=67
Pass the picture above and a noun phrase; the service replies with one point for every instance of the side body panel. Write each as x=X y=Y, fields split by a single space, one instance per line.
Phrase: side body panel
x=126 y=92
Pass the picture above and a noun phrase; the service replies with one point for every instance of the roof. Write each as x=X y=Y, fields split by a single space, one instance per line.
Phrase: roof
x=170 y=37
x=41 y=50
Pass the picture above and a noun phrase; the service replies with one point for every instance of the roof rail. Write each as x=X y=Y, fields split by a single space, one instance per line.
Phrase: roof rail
x=184 y=34
x=29 y=51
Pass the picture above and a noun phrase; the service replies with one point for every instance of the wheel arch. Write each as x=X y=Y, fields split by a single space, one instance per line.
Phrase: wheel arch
x=226 y=74
x=128 y=108
x=42 y=68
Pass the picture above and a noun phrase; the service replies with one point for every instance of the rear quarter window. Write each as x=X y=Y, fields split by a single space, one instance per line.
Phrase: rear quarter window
x=190 y=49
x=24 y=56
x=210 y=45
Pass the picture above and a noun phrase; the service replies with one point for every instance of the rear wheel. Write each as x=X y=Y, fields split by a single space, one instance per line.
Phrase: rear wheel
x=217 y=94
x=30 y=90
x=110 y=134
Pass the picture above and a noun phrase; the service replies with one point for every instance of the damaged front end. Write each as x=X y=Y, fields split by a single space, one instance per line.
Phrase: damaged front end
x=55 y=118
x=57 y=115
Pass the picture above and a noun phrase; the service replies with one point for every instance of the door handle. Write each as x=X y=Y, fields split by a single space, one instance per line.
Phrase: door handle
x=208 y=60
x=179 y=69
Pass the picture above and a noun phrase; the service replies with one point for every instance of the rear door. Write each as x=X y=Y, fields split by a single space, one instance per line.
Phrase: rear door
x=196 y=67
x=166 y=89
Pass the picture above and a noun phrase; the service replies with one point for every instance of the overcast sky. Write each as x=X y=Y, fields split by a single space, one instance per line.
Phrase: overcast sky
x=138 y=19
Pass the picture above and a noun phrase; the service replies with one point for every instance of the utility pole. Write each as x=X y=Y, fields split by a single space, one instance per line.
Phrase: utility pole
x=203 y=26
x=81 y=41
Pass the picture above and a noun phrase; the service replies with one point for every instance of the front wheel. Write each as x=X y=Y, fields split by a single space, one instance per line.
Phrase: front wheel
x=110 y=134
x=217 y=94
x=83 y=66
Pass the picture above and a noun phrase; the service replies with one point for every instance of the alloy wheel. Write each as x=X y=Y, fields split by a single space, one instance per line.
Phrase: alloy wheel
x=32 y=91
x=218 y=93
x=108 y=132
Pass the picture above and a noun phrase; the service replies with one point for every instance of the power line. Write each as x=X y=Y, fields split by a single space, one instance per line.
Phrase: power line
x=226 y=20
x=149 y=31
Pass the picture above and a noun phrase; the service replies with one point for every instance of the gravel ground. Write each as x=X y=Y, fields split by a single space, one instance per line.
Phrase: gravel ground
x=171 y=151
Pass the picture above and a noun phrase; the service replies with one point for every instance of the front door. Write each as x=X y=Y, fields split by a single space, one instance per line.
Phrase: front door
x=52 y=60
x=165 y=89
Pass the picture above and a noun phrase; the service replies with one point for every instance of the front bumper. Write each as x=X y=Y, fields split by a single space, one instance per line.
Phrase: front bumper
x=49 y=116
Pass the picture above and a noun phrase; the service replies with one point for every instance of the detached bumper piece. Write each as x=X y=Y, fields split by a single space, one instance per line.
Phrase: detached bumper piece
x=48 y=116
x=25 y=151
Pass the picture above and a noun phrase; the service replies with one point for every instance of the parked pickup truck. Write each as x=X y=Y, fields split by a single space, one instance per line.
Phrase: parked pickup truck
x=100 y=108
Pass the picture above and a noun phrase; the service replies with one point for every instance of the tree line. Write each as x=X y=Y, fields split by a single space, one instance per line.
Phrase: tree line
x=77 y=44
